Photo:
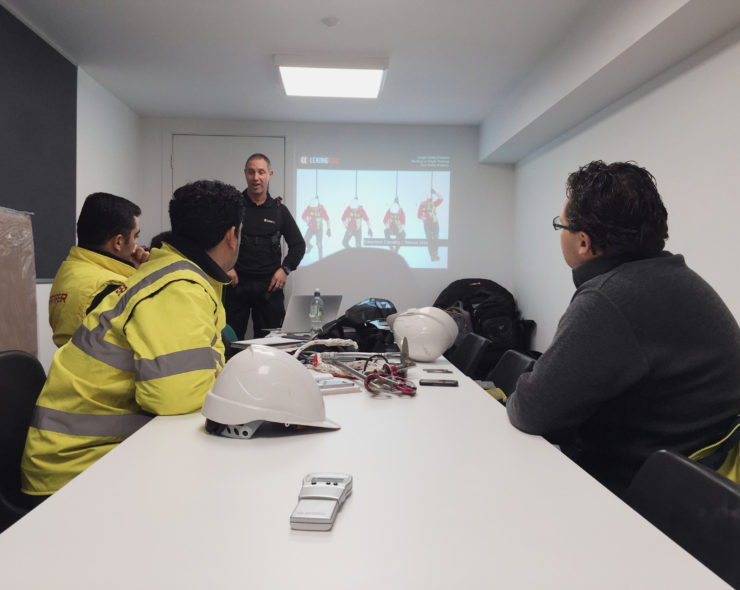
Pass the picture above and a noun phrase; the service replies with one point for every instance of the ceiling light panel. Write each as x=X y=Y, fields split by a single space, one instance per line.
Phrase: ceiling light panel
x=332 y=76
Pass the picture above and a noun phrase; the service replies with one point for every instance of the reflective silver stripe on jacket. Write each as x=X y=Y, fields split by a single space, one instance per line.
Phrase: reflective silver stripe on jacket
x=87 y=424
x=174 y=363
x=93 y=342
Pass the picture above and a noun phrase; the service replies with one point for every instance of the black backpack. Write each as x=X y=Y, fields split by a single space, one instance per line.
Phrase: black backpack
x=462 y=318
x=493 y=311
x=364 y=323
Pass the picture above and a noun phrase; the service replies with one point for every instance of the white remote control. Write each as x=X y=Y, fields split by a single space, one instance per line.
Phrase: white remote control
x=319 y=501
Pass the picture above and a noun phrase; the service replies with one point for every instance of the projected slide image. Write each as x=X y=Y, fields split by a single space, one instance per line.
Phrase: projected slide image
x=404 y=211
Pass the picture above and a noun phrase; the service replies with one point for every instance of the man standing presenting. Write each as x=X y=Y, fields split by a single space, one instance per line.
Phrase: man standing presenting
x=153 y=346
x=646 y=355
x=105 y=255
x=260 y=273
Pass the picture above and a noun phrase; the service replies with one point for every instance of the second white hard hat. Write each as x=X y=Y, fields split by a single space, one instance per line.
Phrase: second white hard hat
x=429 y=331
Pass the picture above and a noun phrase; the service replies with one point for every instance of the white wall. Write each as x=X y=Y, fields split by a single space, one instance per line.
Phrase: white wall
x=683 y=126
x=480 y=223
x=107 y=143
x=107 y=161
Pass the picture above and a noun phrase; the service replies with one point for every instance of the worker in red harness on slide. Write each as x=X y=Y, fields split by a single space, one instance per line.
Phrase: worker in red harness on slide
x=428 y=214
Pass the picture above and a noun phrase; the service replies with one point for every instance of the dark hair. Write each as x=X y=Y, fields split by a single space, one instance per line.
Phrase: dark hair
x=202 y=211
x=258 y=156
x=159 y=239
x=104 y=216
x=619 y=207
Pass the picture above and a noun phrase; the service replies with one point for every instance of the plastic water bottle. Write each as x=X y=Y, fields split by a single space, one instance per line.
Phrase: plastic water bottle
x=316 y=313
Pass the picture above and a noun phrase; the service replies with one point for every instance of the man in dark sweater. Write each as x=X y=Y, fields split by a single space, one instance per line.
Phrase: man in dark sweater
x=647 y=355
x=260 y=274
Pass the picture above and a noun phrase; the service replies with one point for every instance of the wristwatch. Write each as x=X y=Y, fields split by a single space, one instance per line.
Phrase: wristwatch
x=286 y=270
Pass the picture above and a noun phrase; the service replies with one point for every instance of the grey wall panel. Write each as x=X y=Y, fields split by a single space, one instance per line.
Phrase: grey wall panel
x=38 y=124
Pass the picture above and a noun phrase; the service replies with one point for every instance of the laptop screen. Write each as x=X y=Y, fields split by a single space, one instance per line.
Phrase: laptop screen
x=296 y=315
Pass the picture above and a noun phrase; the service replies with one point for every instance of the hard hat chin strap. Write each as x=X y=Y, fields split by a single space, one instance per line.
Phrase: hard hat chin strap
x=246 y=430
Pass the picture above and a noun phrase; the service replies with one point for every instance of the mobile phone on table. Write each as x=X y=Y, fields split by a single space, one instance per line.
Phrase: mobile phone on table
x=439 y=382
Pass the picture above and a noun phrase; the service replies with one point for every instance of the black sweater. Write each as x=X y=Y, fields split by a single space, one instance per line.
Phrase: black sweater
x=259 y=252
x=646 y=356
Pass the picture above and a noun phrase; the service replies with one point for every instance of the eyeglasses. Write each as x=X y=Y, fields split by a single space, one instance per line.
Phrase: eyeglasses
x=557 y=224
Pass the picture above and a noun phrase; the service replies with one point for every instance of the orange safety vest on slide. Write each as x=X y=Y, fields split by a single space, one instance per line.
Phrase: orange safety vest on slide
x=427 y=211
x=315 y=216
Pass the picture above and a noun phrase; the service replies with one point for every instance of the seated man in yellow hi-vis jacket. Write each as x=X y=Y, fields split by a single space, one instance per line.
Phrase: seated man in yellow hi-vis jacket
x=153 y=346
x=106 y=254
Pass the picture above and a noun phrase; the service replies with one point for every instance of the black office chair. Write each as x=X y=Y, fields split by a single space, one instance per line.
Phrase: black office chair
x=695 y=506
x=468 y=354
x=22 y=378
x=508 y=369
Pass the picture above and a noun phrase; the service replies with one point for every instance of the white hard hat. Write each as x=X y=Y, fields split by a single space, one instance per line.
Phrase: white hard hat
x=263 y=384
x=429 y=331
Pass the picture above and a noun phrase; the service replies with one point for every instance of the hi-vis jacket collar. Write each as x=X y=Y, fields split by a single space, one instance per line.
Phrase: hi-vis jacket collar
x=195 y=253
x=109 y=255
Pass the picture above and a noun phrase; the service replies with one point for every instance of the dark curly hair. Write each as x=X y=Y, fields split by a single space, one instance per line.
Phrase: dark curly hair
x=619 y=207
x=202 y=211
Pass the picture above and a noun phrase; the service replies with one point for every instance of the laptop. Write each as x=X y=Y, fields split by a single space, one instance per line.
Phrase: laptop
x=296 y=321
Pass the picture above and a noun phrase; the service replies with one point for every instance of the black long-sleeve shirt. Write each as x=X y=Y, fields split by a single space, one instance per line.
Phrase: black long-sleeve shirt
x=259 y=252
x=646 y=356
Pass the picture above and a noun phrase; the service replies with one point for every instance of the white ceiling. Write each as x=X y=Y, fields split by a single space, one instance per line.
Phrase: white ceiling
x=451 y=62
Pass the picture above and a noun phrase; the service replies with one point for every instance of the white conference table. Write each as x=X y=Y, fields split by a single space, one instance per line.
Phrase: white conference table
x=447 y=494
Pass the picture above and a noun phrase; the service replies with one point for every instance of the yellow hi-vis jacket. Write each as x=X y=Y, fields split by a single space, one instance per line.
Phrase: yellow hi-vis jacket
x=153 y=346
x=82 y=275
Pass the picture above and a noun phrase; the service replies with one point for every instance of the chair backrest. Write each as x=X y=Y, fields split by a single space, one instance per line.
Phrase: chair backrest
x=508 y=369
x=695 y=506
x=21 y=378
x=467 y=355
